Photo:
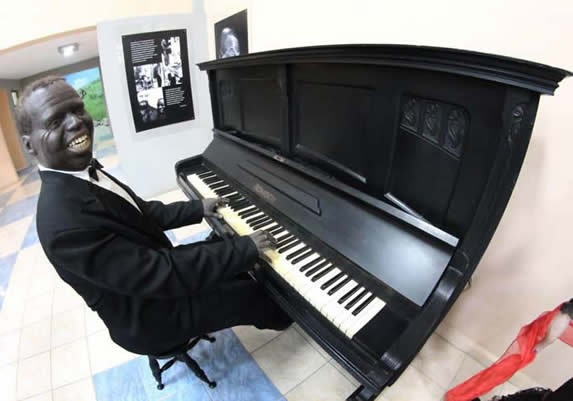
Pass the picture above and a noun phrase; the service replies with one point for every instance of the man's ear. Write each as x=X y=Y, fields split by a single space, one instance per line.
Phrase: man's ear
x=28 y=144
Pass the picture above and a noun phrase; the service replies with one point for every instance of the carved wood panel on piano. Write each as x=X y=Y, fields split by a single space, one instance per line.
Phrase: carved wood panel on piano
x=382 y=172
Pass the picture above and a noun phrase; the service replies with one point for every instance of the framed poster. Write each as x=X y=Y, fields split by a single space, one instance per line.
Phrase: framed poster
x=232 y=36
x=157 y=71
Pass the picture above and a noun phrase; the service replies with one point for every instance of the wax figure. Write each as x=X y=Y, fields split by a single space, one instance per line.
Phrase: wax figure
x=109 y=244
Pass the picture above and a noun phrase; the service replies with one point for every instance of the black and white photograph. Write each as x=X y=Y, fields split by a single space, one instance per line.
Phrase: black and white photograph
x=157 y=72
x=231 y=36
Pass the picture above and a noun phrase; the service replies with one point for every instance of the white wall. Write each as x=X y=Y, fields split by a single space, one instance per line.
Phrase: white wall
x=26 y=20
x=527 y=268
x=148 y=157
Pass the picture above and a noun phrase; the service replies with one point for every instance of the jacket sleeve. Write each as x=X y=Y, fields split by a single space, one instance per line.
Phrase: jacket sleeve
x=111 y=261
x=173 y=215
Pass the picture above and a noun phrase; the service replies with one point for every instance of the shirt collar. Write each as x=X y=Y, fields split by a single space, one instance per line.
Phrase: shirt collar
x=82 y=174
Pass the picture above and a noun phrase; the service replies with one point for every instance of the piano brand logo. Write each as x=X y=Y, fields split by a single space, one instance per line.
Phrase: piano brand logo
x=263 y=193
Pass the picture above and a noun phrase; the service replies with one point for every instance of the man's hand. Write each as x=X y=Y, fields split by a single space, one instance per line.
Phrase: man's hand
x=263 y=241
x=210 y=206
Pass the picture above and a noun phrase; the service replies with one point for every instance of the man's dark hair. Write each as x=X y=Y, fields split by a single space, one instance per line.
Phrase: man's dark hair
x=567 y=308
x=23 y=119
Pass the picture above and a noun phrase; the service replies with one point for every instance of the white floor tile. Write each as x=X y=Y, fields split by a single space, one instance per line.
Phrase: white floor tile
x=469 y=368
x=9 y=343
x=65 y=298
x=253 y=338
x=344 y=372
x=70 y=363
x=82 y=390
x=93 y=321
x=35 y=338
x=288 y=360
x=325 y=384
x=105 y=354
x=68 y=326
x=41 y=397
x=8 y=380
x=109 y=162
x=11 y=316
x=188 y=231
x=314 y=344
x=12 y=235
x=439 y=360
x=34 y=376
x=413 y=385
x=38 y=308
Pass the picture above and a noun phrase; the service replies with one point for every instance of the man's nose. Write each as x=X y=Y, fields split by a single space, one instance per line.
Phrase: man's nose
x=73 y=122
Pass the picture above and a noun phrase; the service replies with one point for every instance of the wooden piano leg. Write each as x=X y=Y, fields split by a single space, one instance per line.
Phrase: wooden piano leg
x=362 y=394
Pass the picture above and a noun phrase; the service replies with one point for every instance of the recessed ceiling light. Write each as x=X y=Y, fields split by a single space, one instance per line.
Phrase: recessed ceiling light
x=68 y=50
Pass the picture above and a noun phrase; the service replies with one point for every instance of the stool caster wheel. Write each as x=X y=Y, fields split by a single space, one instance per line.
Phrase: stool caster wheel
x=160 y=387
x=212 y=384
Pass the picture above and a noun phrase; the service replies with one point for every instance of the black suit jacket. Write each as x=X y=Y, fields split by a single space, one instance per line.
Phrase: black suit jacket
x=124 y=266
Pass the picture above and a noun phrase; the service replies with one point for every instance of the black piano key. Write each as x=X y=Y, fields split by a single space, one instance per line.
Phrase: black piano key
x=217 y=186
x=300 y=258
x=272 y=228
x=317 y=268
x=338 y=286
x=345 y=297
x=277 y=231
x=254 y=218
x=297 y=253
x=225 y=191
x=283 y=237
x=211 y=180
x=363 y=305
x=289 y=246
x=206 y=174
x=290 y=238
x=310 y=264
x=263 y=223
x=322 y=273
x=236 y=201
x=354 y=300
x=241 y=206
x=332 y=281
x=244 y=214
x=234 y=197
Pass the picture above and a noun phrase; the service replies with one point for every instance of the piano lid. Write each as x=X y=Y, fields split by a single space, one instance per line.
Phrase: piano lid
x=437 y=135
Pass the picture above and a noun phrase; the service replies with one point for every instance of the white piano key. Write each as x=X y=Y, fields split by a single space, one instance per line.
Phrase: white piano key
x=364 y=317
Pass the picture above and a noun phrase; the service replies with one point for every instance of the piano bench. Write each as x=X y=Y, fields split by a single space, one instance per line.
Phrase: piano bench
x=180 y=354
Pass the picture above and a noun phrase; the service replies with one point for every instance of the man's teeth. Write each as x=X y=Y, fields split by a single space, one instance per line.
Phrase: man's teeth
x=79 y=143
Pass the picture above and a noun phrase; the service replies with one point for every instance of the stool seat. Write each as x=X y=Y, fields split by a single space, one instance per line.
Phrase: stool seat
x=180 y=354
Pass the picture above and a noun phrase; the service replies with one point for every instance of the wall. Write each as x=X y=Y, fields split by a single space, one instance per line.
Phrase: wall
x=148 y=157
x=62 y=71
x=526 y=268
x=8 y=174
x=26 y=20
x=10 y=133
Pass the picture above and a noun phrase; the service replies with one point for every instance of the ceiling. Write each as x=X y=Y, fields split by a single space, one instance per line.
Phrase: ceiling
x=27 y=60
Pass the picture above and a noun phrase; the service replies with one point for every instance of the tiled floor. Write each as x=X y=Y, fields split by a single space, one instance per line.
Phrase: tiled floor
x=54 y=348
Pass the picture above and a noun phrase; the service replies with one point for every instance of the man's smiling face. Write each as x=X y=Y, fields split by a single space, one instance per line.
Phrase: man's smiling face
x=62 y=131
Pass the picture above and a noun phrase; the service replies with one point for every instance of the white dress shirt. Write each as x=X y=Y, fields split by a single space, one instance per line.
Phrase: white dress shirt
x=104 y=182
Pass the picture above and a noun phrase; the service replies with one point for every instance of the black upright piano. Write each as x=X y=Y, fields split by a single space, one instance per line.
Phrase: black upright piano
x=381 y=171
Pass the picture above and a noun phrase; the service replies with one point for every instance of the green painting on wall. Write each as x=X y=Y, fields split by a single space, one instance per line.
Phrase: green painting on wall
x=89 y=86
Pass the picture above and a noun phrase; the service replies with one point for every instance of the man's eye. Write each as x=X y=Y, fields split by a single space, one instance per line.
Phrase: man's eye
x=54 y=123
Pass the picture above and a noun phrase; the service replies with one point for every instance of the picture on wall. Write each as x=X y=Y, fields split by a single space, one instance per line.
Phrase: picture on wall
x=231 y=36
x=157 y=70
x=89 y=86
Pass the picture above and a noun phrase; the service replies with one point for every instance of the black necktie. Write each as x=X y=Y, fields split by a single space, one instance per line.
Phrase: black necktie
x=92 y=170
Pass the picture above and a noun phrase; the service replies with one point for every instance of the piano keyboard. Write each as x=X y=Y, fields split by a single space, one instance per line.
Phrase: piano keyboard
x=343 y=301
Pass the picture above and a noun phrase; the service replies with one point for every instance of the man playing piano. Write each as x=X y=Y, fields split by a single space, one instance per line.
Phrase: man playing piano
x=109 y=244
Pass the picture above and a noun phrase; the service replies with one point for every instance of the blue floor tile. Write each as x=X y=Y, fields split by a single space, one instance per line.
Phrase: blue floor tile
x=238 y=376
x=4 y=197
x=202 y=236
x=18 y=210
x=6 y=264
x=31 y=237
x=33 y=176
x=226 y=361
